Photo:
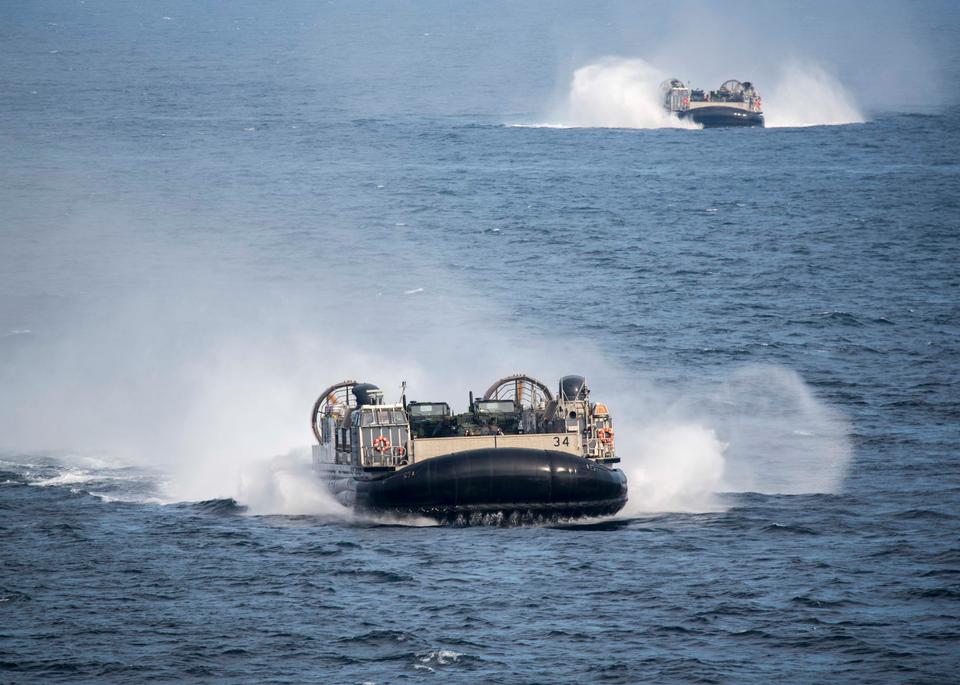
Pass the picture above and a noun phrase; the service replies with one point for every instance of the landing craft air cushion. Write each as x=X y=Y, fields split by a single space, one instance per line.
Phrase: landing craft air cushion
x=732 y=104
x=518 y=453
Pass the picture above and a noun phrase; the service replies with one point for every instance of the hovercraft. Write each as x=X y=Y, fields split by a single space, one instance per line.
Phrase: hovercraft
x=734 y=103
x=518 y=454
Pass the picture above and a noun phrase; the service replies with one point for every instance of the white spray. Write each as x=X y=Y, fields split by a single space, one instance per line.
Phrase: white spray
x=805 y=94
x=209 y=378
x=751 y=429
x=216 y=418
x=616 y=92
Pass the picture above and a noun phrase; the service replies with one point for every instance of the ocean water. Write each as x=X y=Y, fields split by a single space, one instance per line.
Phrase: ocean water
x=209 y=213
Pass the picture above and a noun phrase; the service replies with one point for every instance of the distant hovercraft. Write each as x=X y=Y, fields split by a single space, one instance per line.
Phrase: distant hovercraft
x=733 y=104
x=518 y=454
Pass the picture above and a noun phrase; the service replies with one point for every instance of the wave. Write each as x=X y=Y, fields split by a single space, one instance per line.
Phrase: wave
x=219 y=506
x=105 y=478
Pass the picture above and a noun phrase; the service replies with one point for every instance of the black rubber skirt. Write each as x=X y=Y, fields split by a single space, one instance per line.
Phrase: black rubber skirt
x=721 y=117
x=508 y=481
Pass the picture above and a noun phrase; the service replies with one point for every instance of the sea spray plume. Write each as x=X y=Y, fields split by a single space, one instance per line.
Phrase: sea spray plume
x=755 y=428
x=212 y=414
x=674 y=467
x=618 y=93
x=782 y=438
x=672 y=458
x=287 y=485
x=207 y=377
x=805 y=94
x=205 y=373
x=758 y=429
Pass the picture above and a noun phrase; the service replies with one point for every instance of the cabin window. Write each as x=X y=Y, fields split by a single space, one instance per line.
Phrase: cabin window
x=387 y=417
x=496 y=406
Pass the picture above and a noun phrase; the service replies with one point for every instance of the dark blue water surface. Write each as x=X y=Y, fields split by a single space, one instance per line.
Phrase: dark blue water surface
x=209 y=213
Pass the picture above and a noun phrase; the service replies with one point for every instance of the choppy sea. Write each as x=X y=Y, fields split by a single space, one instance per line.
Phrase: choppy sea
x=209 y=213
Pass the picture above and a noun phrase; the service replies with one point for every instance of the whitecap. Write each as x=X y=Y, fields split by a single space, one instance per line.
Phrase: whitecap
x=540 y=125
x=441 y=657
x=68 y=478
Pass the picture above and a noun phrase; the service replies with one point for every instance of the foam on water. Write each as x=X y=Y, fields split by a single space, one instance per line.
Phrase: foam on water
x=69 y=477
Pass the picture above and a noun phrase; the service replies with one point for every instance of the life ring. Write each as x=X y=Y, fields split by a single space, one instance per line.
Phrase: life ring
x=381 y=444
x=605 y=435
